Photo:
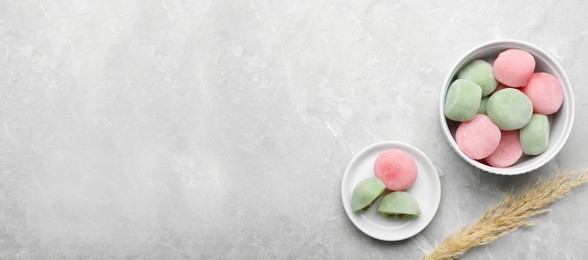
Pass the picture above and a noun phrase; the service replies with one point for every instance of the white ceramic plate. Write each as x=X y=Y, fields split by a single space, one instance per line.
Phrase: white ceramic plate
x=426 y=191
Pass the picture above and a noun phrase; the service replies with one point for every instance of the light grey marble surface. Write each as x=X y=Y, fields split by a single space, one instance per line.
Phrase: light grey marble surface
x=177 y=129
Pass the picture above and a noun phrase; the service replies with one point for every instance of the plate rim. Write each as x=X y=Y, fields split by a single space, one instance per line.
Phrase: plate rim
x=403 y=146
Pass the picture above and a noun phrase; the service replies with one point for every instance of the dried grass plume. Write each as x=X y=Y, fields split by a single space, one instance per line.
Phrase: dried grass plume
x=512 y=212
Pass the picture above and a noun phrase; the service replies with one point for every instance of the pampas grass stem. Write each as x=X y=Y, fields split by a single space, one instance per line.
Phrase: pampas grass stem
x=512 y=212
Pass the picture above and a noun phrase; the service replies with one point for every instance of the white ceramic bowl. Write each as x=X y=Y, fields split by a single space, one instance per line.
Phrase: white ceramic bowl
x=560 y=123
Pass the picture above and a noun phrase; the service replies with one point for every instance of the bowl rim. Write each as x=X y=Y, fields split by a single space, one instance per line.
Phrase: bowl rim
x=568 y=97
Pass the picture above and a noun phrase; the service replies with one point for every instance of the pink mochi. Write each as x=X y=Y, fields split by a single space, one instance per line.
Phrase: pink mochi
x=508 y=152
x=546 y=93
x=478 y=138
x=397 y=169
x=514 y=67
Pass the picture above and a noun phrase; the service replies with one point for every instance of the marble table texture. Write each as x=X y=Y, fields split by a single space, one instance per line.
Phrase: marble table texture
x=175 y=129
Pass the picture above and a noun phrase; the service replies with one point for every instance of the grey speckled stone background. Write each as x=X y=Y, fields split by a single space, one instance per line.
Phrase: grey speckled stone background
x=196 y=129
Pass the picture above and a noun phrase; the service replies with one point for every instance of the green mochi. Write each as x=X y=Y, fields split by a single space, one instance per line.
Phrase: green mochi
x=509 y=109
x=365 y=193
x=483 y=105
x=535 y=135
x=480 y=72
x=399 y=204
x=462 y=100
